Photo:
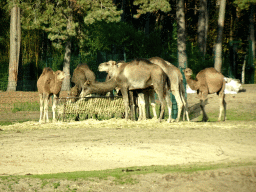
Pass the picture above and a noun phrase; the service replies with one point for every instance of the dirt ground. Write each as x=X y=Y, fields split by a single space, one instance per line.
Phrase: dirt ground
x=33 y=148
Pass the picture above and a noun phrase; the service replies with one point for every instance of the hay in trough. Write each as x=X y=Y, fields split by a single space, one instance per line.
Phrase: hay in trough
x=88 y=107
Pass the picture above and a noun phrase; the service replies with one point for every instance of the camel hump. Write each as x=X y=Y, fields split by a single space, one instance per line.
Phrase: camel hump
x=213 y=79
x=139 y=60
x=47 y=70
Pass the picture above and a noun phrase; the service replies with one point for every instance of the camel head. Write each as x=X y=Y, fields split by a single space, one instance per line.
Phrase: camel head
x=107 y=66
x=60 y=75
x=74 y=93
x=188 y=72
x=85 y=89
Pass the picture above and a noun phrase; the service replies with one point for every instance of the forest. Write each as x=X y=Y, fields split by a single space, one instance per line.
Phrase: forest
x=62 y=34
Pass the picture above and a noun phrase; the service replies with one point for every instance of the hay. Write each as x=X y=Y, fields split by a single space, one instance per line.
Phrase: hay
x=105 y=107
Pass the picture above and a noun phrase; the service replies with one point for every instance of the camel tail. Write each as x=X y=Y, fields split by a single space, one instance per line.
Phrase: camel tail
x=222 y=90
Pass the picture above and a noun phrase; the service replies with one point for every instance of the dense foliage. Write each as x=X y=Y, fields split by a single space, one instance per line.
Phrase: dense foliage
x=120 y=30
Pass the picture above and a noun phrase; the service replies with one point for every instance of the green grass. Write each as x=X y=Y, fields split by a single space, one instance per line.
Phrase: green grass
x=3 y=123
x=232 y=115
x=123 y=175
x=27 y=106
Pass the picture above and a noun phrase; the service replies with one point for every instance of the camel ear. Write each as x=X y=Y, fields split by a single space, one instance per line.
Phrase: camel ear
x=112 y=62
x=87 y=82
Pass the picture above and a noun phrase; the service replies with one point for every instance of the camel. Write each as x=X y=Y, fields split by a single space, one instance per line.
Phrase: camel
x=81 y=73
x=176 y=87
x=49 y=83
x=138 y=98
x=208 y=81
x=137 y=74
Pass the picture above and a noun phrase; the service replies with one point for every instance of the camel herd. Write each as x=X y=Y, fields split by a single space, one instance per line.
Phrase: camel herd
x=137 y=80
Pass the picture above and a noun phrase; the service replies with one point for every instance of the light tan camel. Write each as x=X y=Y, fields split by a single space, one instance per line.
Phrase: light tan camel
x=208 y=81
x=176 y=87
x=49 y=83
x=138 y=74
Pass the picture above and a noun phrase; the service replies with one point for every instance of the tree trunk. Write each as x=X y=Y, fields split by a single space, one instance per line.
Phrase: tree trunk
x=66 y=67
x=252 y=44
x=243 y=71
x=201 y=31
x=252 y=38
x=181 y=34
x=67 y=59
x=15 y=38
x=218 y=45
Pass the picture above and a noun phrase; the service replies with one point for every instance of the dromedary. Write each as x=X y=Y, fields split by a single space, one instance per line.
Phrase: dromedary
x=138 y=74
x=81 y=73
x=49 y=83
x=138 y=98
x=176 y=86
x=208 y=81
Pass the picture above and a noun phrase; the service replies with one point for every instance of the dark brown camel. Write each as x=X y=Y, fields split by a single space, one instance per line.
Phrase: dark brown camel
x=81 y=73
x=208 y=81
x=49 y=83
x=138 y=74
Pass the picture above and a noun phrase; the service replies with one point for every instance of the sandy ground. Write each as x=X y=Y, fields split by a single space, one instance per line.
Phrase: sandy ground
x=33 y=148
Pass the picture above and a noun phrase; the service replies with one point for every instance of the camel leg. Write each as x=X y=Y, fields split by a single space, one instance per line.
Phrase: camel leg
x=222 y=107
x=126 y=102
x=46 y=104
x=160 y=93
x=185 y=104
x=176 y=94
x=54 y=103
x=153 y=102
x=132 y=105
x=169 y=106
x=141 y=101
x=41 y=107
x=146 y=97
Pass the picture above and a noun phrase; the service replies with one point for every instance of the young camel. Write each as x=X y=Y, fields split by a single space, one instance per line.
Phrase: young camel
x=176 y=86
x=138 y=74
x=208 y=81
x=81 y=73
x=48 y=84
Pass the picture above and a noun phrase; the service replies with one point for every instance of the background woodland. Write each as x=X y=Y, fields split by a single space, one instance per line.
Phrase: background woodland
x=61 y=34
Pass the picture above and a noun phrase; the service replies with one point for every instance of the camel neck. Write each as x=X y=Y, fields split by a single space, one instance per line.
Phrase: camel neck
x=102 y=87
x=192 y=83
x=57 y=86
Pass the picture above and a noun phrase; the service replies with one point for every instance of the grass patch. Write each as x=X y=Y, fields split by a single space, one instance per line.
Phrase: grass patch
x=5 y=123
x=233 y=115
x=27 y=106
x=123 y=175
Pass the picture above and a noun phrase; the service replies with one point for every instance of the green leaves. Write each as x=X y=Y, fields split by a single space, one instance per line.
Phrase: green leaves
x=152 y=6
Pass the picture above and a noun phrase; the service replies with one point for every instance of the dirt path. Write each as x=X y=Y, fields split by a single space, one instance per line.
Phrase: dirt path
x=32 y=148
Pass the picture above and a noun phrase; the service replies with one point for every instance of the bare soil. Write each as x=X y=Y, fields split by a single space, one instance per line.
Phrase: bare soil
x=33 y=148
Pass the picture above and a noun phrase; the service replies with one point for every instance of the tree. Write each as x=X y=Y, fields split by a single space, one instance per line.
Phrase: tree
x=61 y=20
x=181 y=33
x=202 y=27
x=218 y=45
x=15 y=39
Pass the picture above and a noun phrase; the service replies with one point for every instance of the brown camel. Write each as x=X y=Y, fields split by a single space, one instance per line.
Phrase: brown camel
x=176 y=86
x=49 y=83
x=81 y=73
x=138 y=98
x=208 y=81
x=138 y=74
